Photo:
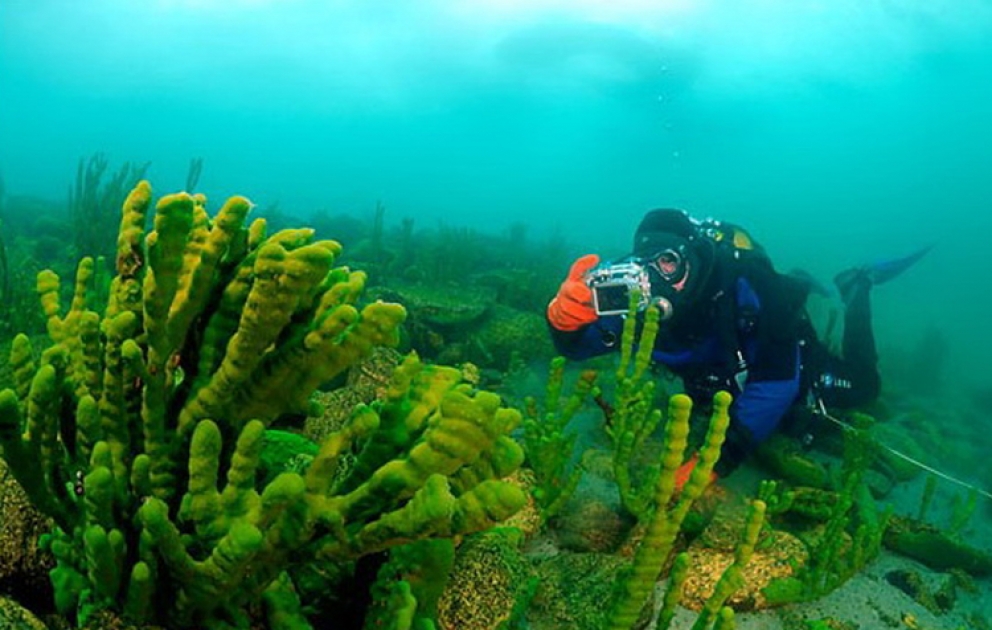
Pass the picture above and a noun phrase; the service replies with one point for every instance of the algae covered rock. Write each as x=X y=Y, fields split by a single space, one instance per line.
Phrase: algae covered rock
x=814 y=504
x=508 y=333
x=13 y=616
x=776 y=556
x=939 y=600
x=107 y=620
x=465 y=323
x=366 y=382
x=588 y=524
x=783 y=457
x=24 y=565
x=934 y=548
x=894 y=466
x=490 y=583
x=439 y=305
x=575 y=591
x=528 y=519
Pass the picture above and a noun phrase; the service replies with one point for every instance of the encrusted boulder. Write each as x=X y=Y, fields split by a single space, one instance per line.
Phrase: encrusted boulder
x=488 y=582
x=575 y=591
x=777 y=555
x=438 y=305
x=366 y=381
x=508 y=334
x=934 y=548
x=23 y=566
x=13 y=616
x=785 y=459
x=588 y=524
x=528 y=519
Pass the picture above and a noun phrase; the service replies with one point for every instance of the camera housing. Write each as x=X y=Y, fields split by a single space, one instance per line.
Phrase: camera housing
x=612 y=284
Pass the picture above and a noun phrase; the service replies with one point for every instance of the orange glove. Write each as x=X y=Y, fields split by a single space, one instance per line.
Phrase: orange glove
x=685 y=471
x=572 y=308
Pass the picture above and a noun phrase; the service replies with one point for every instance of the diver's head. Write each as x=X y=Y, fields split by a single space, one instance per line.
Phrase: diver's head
x=678 y=258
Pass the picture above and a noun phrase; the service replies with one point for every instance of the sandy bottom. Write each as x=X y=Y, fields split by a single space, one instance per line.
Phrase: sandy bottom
x=868 y=601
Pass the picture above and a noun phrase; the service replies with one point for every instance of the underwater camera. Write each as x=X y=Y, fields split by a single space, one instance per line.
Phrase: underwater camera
x=611 y=285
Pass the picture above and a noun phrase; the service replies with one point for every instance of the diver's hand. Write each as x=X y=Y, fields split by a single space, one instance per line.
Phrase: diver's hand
x=572 y=308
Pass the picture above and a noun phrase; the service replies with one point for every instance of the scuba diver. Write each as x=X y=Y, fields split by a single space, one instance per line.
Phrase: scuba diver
x=728 y=321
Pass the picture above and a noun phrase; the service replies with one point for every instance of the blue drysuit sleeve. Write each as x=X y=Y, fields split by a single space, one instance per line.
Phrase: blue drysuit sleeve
x=599 y=337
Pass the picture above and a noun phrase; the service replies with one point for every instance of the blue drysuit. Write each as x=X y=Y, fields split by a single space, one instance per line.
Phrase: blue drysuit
x=744 y=338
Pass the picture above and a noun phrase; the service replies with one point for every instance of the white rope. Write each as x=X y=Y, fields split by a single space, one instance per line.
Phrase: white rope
x=822 y=410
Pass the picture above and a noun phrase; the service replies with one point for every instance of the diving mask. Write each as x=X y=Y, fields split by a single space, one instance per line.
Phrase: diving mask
x=671 y=267
x=670 y=264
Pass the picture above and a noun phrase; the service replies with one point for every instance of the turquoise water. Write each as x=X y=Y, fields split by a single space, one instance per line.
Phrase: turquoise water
x=836 y=132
